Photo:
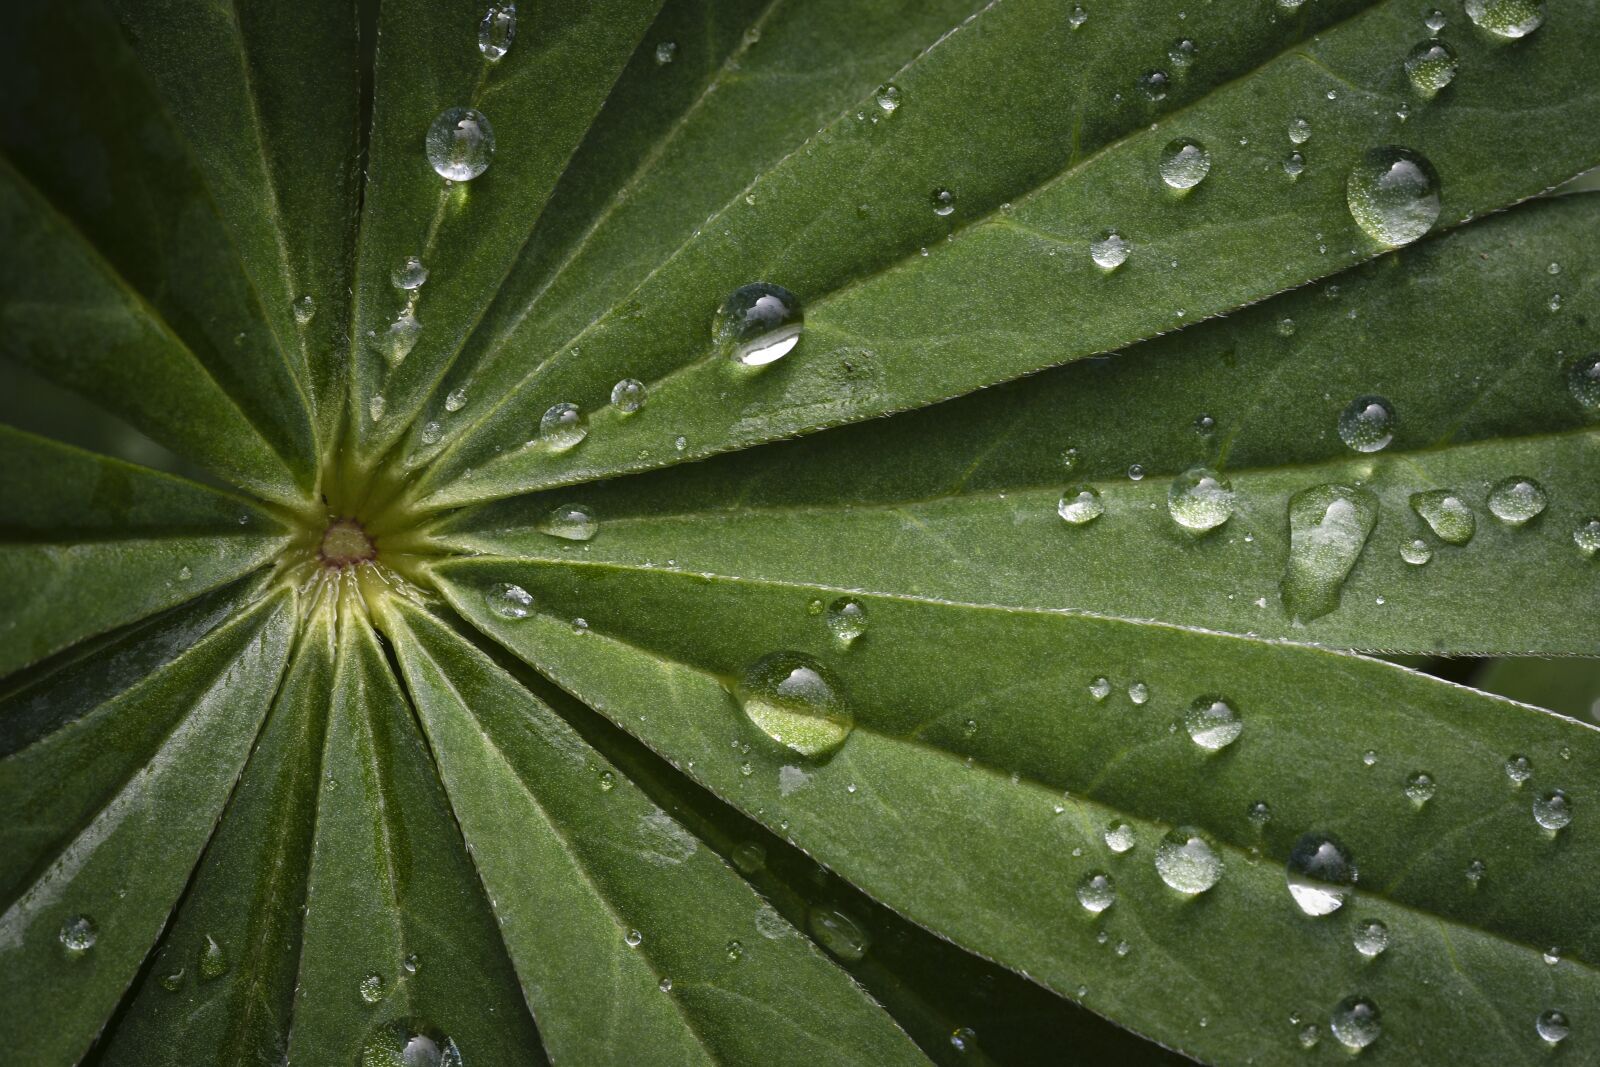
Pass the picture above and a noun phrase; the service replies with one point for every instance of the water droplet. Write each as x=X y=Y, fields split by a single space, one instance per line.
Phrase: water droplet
x=304 y=309
x=410 y=274
x=1367 y=424
x=1506 y=18
x=1100 y=688
x=1475 y=872
x=665 y=985
x=456 y=399
x=1096 y=892
x=1184 y=163
x=172 y=981
x=1309 y=1036
x=562 y=427
x=372 y=988
x=1416 y=552
x=1355 y=1022
x=1299 y=130
x=1294 y=165
x=375 y=407
x=1552 y=810
x=1554 y=303
x=1435 y=21
x=1587 y=535
x=1328 y=527
x=213 y=962
x=837 y=932
x=1516 y=500
x=1070 y=459
x=1135 y=472
x=1109 y=251
x=1200 y=499
x=1260 y=813
x=1138 y=692
x=409 y=1043
x=963 y=1038
x=1431 y=66
x=431 y=432
x=944 y=202
x=1393 y=195
x=401 y=336
x=1205 y=425
x=1119 y=837
x=666 y=52
x=794 y=700
x=1449 y=517
x=1212 y=723
x=1552 y=955
x=608 y=781
x=78 y=933
x=1583 y=378
x=497 y=30
x=1286 y=328
x=749 y=857
x=1080 y=505
x=633 y=939
x=509 y=601
x=1519 y=769
x=571 y=522
x=459 y=144
x=1552 y=1027
x=1078 y=17
x=1187 y=862
x=1154 y=84
x=847 y=618
x=1320 y=873
x=1181 y=53
x=888 y=98
x=1420 y=788
x=1369 y=758
x=1371 y=938
x=758 y=324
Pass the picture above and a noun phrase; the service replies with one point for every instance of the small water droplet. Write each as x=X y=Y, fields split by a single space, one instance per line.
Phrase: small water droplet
x=1416 y=552
x=1393 y=195
x=1212 y=723
x=1475 y=872
x=459 y=144
x=1299 y=130
x=562 y=427
x=304 y=309
x=410 y=274
x=1519 y=769
x=888 y=98
x=1200 y=499
x=1138 y=692
x=1587 y=535
x=372 y=988
x=758 y=324
x=1369 y=758
x=1135 y=472
x=837 y=932
x=1260 y=813
x=1367 y=424
x=1119 y=837
x=1100 y=688
x=78 y=934
x=847 y=618
x=1435 y=21
x=666 y=52
x=1078 y=17
x=1205 y=425
x=497 y=30
x=795 y=701
x=1154 y=84
x=375 y=407
x=1449 y=517
x=633 y=939
x=1294 y=165
x=1517 y=500
x=1320 y=873
x=401 y=336
x=1184 y=163
x=749 y=857
x=1583 y=378
x=963 y=1038
x=1355 y=1022
x=456 y=399
x=1109 y=251
x=1552 y=810
x=1309 y=1036
x=1186 y=861
x=571 y=522
x=1371 y=938
x=509 y=601
x=1328 y=527
x=1181 y=53
x=1552 y=955
x=944 y=202
x=213 y=962
x=1080 y=505
x=1509 y=19
x=172 y=981
x=1420 y=788
x=1096 y=892
x=1553 y=1027
x=1431 y=66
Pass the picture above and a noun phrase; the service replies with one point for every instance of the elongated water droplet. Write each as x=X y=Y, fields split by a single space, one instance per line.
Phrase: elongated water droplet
x=410 y=274
x=758 y=324
x=509 y=601
x=1371 y=938
x=1355 y=1022
x=1431 y=66
x=1420 y=788
x=1080 y=505
x=1184 y=163
x=1393 y=194
x=401 y=336
x=409 y=1043
x=1097 y=892
x=1320 y=873
x=1186 y=861
x=497 y=30
x=562 y=427
x=1328 y=527
x=1200 y=499
x=1449 y=517
x=1510 y=19
x=375 y=407
x=1212 y=723
x=78 y=934
x=1109 y=251
x=571 y=522
x=305 y=309
x=1119 y=837
x=1552 y=1027
x=460 y=143
x=213 y=962
x=1583 y=378
x=794 y=700
x=1517 y=499
x=1367 y=424
x=1552 y=810
x=847 y=619
x=837 y=932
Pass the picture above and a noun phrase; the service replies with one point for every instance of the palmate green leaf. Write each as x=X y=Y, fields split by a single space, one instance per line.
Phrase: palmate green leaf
x=987 y=751
x=959 y=501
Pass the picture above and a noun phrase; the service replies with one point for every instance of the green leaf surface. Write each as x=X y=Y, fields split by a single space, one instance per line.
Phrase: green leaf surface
x=105 y=828
x=900 y=330
x=984 y=750
x=633 y=940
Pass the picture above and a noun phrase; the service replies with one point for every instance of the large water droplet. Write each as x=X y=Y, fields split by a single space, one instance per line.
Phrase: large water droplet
x=401 y=336
x=409 y=1043
x=1583 y=378
x=497 y=30
x=1517 y=499
x=1109 y=251
x=459 y=144
x=837 y=932
x=1367 y=424
x=1184 y=163
x=758 y=324
x=1449 y=517
x=1320 y=873
x=1187 y=862
x=78 y=933
x=1393 y=195
x=562 y=427
x=1097 y=892
x=1080 y=505
x=627 y=396
x=1355 y=1022
x=1506 y=18
x=571 y=522
x=847 y=619
x=1431 y=66
x=1552 y=1027
x=1552 y=810
x=1371 y=938
x=1212 y=723
x=794 y=700
x=509 y=601
x=1328 y=527
x=1200 y=499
